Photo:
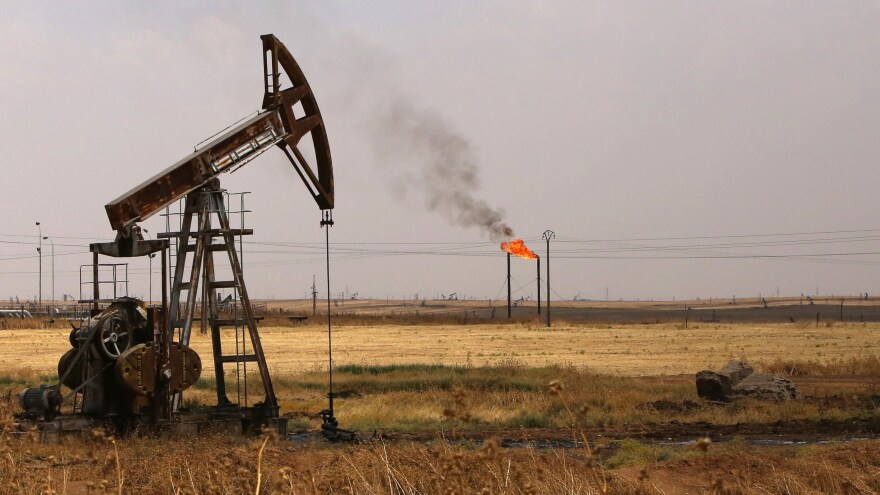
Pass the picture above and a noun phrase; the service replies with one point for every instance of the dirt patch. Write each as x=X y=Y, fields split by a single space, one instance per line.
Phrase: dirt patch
x=673 y=406
x=840 y=468
x=780 y=432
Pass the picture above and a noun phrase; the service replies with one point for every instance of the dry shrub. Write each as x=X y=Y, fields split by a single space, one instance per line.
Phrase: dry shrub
x=215 y=465
x=848 y=468
x=863 y=364
x=98 y=463
x=32 y=323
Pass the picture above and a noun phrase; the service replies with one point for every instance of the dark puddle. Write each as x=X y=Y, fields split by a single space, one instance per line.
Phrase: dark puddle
x=607 y=444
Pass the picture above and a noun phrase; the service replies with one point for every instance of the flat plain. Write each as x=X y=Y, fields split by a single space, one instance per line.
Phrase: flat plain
x=450 y=397
x=626 y=350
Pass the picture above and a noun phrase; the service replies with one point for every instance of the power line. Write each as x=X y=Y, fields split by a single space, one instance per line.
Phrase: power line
x=379 y=254
x=307 y=252
x=35 y=243
x=32 y=256
x=731 y=256
x=563 y=238
x=733 y=236
x=56 y=237
x=801 y=242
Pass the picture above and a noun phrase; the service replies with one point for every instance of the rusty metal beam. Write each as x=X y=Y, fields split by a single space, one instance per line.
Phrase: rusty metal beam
x=277 y=124
x=191 y=172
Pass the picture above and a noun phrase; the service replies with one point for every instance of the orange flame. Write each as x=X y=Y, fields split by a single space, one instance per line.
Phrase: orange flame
x=518 y=247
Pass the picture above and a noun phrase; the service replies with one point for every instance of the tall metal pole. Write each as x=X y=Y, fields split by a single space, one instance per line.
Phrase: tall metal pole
x=538 y=259
x=149 y=237
x=165 y=312
x=53 y=270
x=327 y=222
x=508 y=285
x=548 y=234
x=52 y=242
x=96 y=287
x=40 y=255
x=161 y=395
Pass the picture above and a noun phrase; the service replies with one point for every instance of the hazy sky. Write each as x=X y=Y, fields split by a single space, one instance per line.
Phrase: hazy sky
x=613 y=123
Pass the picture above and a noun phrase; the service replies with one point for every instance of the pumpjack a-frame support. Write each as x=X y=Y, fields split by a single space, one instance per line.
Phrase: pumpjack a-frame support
x=203 y=205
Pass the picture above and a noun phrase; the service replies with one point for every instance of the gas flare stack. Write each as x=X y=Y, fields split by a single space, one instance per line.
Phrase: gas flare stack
x=517 y=247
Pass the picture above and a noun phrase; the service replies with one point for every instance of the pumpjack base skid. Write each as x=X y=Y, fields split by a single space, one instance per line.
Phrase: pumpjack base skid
x=236 y=421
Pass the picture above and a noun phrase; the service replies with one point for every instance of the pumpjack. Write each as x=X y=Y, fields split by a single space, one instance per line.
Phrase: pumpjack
x=129 y=364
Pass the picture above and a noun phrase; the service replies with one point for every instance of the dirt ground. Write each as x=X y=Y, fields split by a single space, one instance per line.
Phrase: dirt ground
x=627 y=350
x=226 y=465
x=836 y=469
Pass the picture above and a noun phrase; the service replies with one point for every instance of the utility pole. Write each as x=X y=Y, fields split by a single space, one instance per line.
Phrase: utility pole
x=53 y=267
x=151 y=267
x=548 y=234
x=538 y=259
x=314 y=297
x=508 y=285
x=40 y=255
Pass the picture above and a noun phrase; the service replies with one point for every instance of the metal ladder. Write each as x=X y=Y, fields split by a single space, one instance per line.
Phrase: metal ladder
x=203 y=205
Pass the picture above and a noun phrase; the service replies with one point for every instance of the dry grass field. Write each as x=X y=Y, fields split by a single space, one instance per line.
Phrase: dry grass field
x=445 y=398
x=626 y=350
x=232 y=465
x=179 y=466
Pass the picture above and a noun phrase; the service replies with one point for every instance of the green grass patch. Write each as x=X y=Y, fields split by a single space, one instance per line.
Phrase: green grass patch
x=530 y=419
x=12 y=380
x=364 y=379
x=204 y=383
x=363 y=369
x=634 y=453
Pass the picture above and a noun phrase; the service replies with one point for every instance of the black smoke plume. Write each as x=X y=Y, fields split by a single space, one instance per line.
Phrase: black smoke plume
x=437 y=161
